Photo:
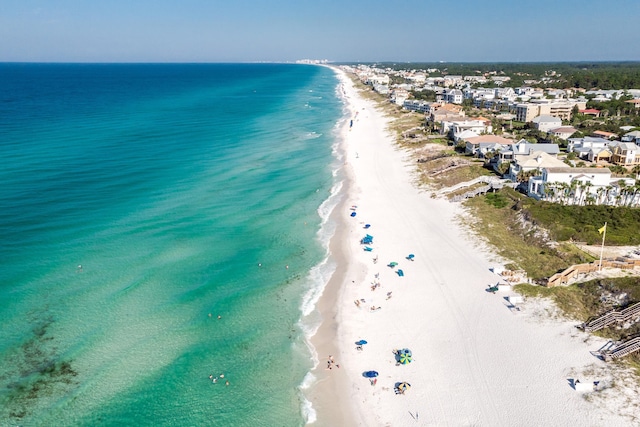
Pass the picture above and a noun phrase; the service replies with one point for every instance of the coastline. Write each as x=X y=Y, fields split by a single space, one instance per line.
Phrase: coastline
x=477 y=360
x=327 y=395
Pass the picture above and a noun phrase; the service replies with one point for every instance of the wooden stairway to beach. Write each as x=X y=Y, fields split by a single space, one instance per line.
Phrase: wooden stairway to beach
x=624 y=349
x=492 y=183
x=612 y=317
x=576 y=270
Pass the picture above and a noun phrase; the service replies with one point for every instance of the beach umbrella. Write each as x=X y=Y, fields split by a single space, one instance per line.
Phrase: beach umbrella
x=405 y=358
x=361 y=342
x=393 y=264
x=404 y=387
x=411 y=256
x=370 y=374
x=353 y=214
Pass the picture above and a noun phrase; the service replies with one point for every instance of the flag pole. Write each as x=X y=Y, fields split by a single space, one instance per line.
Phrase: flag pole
x=604 y=234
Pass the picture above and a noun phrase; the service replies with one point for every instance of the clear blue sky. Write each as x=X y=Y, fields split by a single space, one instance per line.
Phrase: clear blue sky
x=338 y=30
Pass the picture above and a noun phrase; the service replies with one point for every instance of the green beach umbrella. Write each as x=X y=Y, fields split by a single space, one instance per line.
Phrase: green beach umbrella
x=405 y=358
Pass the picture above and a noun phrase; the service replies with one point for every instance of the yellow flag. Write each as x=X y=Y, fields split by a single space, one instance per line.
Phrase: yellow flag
x=602 y=229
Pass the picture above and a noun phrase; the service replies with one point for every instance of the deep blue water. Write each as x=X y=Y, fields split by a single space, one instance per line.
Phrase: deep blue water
x=185 y=192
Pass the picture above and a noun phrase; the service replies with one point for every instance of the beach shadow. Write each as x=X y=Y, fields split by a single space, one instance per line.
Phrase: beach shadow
x=599 y=353
x=512 y=307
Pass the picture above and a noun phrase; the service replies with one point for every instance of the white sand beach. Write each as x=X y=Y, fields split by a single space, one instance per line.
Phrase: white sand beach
x=476 y=359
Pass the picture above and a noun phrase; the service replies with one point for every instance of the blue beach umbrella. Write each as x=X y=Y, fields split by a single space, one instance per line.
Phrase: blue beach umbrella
x=361 y=342
x=370 y=374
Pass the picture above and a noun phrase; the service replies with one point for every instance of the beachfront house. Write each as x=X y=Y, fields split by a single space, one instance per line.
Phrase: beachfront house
x=569 y=185
x=418 y=105
x=399 y=96
x=464 y=135
x=531 y=162
x=479 y=146
x=439 y=113
x=477 y=125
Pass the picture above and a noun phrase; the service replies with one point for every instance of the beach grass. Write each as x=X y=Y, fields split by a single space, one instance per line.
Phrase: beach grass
x=499 y=223
x=586 y=300
x=574 y=301
x=456 y=175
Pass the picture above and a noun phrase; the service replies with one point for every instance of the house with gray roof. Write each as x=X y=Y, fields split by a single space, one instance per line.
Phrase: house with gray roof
x=525 y=147
x=633 y=136
x=545 y=123
x=581 y=146
x=625 y=153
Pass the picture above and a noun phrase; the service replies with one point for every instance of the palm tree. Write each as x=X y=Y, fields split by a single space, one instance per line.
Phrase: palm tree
x=586 y=191
x=573 y=191
x=599 y=192
x=549 y=191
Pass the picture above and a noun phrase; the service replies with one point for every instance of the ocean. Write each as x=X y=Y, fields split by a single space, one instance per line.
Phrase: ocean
x=161 y=224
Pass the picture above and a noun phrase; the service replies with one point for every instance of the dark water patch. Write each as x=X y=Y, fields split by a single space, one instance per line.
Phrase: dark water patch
x=33 y=374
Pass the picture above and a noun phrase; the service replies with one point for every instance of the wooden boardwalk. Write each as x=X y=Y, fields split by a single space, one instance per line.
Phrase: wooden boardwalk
x=631 y=313
x=627 y=347
x=576 y=270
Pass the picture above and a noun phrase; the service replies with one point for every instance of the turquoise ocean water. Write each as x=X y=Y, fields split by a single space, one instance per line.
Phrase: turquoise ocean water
x=184 y=192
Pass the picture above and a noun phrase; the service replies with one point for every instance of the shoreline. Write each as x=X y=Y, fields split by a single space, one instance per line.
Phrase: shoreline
x=327 y=394
x=477 y=360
